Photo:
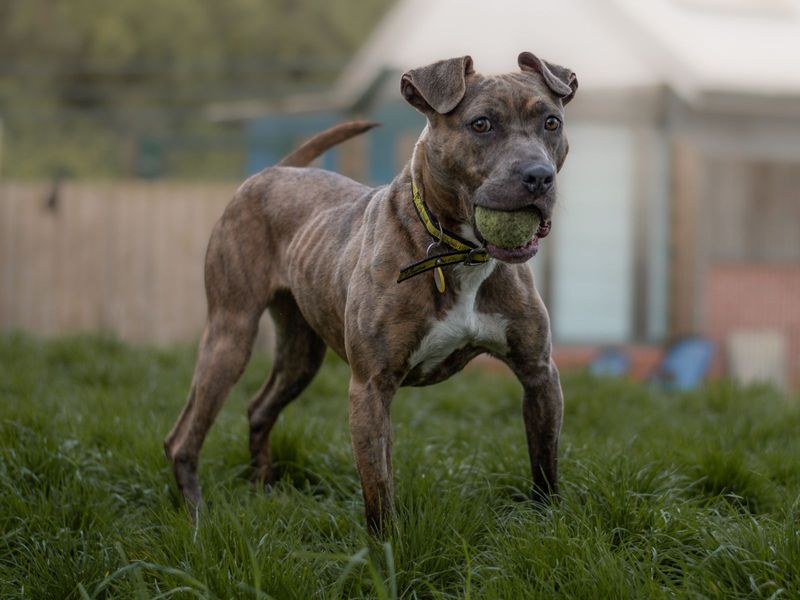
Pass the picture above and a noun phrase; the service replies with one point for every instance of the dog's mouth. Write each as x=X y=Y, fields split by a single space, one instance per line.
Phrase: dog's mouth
x=511 y=236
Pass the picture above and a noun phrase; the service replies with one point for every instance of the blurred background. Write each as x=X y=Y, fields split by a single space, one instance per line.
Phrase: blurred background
x=126 y=127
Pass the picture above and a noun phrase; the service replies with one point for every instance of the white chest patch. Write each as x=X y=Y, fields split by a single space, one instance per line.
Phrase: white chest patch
x=463 y=325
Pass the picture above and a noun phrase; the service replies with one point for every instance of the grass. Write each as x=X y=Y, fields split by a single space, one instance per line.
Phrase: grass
x=693 y=495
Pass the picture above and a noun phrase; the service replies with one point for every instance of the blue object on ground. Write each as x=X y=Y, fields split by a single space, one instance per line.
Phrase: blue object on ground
x=685 y=364
x=610 y=362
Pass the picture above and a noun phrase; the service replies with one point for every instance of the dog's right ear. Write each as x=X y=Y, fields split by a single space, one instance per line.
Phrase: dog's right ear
x=438 y=87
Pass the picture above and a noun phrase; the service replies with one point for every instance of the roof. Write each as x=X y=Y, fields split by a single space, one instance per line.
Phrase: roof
x=695 y=47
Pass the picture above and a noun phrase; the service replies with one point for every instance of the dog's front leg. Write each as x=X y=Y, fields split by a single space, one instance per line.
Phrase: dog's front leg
x=371 y=433
x=542 y=411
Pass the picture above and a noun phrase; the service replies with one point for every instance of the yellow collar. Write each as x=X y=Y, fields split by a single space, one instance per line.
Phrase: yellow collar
x=462 y=251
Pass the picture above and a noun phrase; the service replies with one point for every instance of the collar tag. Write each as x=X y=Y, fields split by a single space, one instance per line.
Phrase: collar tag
x=438 y=278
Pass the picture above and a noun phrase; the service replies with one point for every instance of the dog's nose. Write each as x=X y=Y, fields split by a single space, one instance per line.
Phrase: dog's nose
x=538 y=178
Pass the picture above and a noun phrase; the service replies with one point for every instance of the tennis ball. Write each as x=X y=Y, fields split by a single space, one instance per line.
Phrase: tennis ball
x=507 y=228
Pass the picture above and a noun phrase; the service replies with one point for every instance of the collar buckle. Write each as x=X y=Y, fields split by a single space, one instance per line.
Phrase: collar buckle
x=471 y=261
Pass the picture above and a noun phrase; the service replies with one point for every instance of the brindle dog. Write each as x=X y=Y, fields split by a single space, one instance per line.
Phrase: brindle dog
x=322 y=253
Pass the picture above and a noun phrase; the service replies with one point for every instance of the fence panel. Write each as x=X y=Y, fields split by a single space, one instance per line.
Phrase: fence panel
x=121 y=258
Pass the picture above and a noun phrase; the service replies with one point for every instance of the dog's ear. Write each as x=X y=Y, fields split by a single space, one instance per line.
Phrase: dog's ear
x=438 y=87
x=560 y=80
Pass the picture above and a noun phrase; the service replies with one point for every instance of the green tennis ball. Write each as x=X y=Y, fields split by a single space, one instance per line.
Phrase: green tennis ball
x=507 y=228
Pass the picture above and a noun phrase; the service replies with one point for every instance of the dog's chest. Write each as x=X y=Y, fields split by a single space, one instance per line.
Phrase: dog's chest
x=463 y=326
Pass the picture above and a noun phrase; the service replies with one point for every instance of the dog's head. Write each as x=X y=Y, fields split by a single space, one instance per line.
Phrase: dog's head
x=495 y=142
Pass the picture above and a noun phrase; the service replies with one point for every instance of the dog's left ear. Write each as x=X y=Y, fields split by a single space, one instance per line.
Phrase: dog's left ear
x=560 y=80
x=438 y=87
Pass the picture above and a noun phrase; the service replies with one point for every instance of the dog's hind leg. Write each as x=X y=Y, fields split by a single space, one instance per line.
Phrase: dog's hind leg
x=224 y=351
x=298 y=355
x=237 y=295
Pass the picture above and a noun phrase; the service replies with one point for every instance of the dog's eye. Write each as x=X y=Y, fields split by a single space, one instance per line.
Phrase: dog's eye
x=552 y=123
x=481 y=125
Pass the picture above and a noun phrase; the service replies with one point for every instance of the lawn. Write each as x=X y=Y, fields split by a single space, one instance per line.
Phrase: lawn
x=690 y=495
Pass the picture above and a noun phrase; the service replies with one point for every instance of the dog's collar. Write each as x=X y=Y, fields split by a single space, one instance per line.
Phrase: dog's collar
x=461 y=251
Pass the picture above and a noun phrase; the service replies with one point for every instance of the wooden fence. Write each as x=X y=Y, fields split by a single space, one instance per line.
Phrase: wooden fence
x=121 y=258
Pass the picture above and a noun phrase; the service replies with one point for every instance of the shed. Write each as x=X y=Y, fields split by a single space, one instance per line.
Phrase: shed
x=684 y=172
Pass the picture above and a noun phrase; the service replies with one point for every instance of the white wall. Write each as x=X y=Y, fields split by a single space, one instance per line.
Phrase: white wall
x=592 y=268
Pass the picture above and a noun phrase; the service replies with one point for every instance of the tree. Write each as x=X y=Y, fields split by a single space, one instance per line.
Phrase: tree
x=82 y=81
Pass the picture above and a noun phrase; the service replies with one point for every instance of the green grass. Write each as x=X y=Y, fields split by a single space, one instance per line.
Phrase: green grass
x=693 y=495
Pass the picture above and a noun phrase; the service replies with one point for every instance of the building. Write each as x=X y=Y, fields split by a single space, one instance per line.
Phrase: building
x=680 y=200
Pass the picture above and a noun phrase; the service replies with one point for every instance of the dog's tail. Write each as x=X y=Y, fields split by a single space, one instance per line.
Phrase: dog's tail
x=324 y=140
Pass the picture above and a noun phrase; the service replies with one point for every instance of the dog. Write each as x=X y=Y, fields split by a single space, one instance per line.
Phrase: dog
x=398 y=280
